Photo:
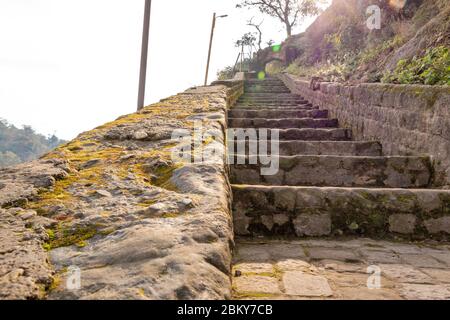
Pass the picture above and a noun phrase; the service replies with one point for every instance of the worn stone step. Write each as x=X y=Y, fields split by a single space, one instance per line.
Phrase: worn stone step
x=275 y=106
x=282 y=123
x=264 y=82
x=271 y=100
x=274 y=102
x=336 y=148
x=271 y=95
x=336 y=134
x=328 y=211
x=278 y=89
x=274 y=114
x=338 y=171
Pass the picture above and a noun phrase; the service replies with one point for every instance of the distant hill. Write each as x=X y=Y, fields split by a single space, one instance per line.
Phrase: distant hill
x=22 y=145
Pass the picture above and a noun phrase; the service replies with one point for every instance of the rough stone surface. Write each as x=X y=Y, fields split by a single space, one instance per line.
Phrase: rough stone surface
x=309 y=210
x=337 y=269
x=257 y=285
x=306 y=285
x=114 y=204
x=402 y=223
x=312 y=225
x=24 y=269
x=335 y=171
x=438 y=225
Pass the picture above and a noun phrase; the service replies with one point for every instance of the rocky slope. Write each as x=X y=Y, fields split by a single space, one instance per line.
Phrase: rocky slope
x=114 y=204
x=339 y=46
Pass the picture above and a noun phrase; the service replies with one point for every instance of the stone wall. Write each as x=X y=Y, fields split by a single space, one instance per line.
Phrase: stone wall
x=114 y=206
x=407 y=119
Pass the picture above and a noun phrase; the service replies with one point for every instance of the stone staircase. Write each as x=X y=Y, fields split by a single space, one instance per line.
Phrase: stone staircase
x=327 y=183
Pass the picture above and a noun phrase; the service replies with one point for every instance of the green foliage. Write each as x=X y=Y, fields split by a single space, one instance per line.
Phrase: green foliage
x=21 y=145
x=339 y=46
x=274 y=67
x=372 y=54
x=226 y=73
x=431 y=69
x=247 y=40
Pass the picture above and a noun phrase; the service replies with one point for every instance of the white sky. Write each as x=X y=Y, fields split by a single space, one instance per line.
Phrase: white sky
x=67 y=66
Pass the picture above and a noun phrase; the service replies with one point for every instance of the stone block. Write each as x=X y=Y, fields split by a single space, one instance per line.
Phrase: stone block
x=402 y=223
x=257 y=284
x=306 y=285
x=312 y=225
x=438 y=225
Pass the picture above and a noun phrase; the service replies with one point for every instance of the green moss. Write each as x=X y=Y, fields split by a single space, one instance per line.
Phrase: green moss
x=56 y=282
x=51 y=234
x=147 y=204
x=65 y=236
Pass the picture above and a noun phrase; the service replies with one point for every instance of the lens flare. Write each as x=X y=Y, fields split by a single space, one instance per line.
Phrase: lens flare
x=397 y=4
x=261 y=75
x=276 y=48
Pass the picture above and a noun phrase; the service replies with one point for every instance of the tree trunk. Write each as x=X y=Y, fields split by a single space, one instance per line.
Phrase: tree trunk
x=288 y=29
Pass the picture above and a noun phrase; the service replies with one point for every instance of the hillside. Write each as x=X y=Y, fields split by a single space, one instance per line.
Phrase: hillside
x=22 y=145
x=411 y=46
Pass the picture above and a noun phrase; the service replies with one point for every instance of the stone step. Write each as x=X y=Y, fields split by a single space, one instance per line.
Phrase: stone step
x=267 y=89
x=281 y=107
x=271 y=95
x=316 y=211
x=275 y=102
x=336 y=148
x=264 y=82
x=338 y=171
x=265 y=85
x=337 y=134
x=268 y=113
x=271 y=99
x=282 y=123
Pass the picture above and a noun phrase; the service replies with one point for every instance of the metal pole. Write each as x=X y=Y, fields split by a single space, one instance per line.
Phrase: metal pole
x=242 y=58
x=237 y=61
x=210 y=47
x=144 y=54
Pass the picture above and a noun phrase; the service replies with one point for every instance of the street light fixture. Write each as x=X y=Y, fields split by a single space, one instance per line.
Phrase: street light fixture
x=144 y=54
x=210 y=43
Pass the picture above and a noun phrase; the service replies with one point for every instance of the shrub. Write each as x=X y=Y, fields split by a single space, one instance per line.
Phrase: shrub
x=431 y=69
x=225 y=74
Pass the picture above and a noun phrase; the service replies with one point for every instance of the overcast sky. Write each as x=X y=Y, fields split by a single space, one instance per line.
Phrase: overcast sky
x=67 y=66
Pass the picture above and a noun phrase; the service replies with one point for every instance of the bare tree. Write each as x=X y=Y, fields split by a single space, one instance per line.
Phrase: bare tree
x=248 y=40
x=287 y=11
x=258 y=28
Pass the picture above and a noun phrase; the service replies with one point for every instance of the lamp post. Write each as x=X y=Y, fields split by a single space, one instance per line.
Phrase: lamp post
x=144 y=54
x=210 y=43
